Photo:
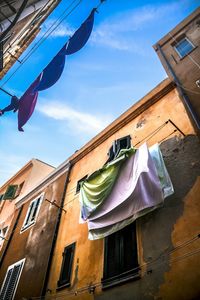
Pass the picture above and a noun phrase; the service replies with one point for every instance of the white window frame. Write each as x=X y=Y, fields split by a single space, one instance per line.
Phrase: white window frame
x=20 y=262
x=3 y=236
x=28 y=225
x=184 y=38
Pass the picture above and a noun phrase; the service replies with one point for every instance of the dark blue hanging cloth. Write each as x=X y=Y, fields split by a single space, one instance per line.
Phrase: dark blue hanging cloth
x=54 y=69
x=81 y=36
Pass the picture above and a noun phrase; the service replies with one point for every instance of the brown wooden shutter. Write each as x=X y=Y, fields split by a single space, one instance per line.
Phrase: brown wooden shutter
x=66 y=268
x=120 y=255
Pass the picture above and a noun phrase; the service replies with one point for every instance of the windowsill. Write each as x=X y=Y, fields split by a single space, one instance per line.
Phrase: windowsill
x=106 y=283
x=63 y=286
x=181 y=58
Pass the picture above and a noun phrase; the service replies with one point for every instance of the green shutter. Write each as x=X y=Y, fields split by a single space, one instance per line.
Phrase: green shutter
x=10 y=192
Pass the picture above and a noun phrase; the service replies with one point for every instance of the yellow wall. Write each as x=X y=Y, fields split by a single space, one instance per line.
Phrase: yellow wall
x=88 y=260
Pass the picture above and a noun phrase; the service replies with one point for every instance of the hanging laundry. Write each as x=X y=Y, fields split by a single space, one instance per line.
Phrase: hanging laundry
x=163 y=175
x=13 y=106
x=98 y=186
x=81 y=36
x=132 y=195
x=138 y=189
x=53 y=71
x=27 y=104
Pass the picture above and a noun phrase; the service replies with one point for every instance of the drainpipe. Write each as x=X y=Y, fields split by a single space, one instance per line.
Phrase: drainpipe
x=26 y=12
x=46 y=279
x=184 y=97
x=11 y=235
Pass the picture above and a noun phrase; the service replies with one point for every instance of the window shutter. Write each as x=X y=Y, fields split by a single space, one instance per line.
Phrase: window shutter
x=10 y=283
x=120 y=255
x=6 y=284
x=10 y=192
x=19 y=189
x=1 y=197
x=66 y=268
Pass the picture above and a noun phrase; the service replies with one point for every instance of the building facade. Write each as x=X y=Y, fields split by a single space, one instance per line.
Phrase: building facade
x=26 y=252
x=18 y=31
x=180 y=56
x=47 y=254
x=159 y=247
x=18 y=185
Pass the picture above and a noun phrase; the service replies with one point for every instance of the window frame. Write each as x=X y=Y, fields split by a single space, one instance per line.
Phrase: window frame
x=122 y=276
x=66 y=282
x=115 y=148
x=5 y=197
x=78 y=185
x=178 y=42
x=28 y=214
x=3 y=236
x=20 y=262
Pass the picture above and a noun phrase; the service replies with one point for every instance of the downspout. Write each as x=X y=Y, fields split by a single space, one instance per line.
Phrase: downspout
x=46 y=279
x=11 y=235
x=26 y=12
x=184 y=97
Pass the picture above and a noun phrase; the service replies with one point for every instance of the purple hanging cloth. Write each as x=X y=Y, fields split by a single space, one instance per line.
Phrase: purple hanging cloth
x=53 y=71
x=81 y=36
x=27 y=104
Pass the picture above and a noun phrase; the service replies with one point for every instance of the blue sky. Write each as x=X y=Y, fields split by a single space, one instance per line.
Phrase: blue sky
x=115 y=69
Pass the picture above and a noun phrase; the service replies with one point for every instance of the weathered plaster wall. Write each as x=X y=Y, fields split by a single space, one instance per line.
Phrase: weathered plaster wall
x=88 y=261
x=172 y=275
x=34 y=243
x=31 y=175
x=189 y=64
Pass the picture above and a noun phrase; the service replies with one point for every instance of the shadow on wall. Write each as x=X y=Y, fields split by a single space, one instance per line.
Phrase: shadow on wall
x=182 y=158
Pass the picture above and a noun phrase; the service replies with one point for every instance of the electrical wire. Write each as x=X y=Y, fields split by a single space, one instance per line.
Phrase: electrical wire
x=193 y=60
x=25 y=29
x=49 y=33
x=156 y=264
x=48 y=28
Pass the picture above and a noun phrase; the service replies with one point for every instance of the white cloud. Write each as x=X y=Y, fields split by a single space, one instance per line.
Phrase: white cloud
x=62 y=30
x=117 y=32
x=81 y=122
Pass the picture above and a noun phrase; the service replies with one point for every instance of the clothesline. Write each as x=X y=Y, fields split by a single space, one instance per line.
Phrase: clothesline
x=51 y=74
x=146 y=271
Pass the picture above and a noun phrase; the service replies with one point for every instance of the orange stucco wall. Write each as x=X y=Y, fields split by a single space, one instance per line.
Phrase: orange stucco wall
x=88 y=260
x=33 y=172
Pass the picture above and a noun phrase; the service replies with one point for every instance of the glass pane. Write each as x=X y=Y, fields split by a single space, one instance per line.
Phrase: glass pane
x=184 y=47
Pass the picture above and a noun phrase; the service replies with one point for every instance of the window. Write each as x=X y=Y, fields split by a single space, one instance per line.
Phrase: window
x=183 y=47
x=122 y=143
x=66 y=268
x=78 y=186
x=10 y=192
x=32 y=212
x=120 y=256
x=1 y=197
x=3 y=232
x=19 y=189
x=11 y=280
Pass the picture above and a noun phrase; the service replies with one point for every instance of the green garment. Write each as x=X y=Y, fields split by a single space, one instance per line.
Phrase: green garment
x=98 y=185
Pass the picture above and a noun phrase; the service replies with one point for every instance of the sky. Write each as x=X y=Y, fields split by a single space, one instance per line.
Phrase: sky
x=116 y=68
